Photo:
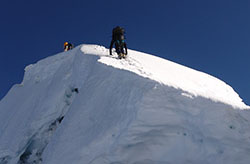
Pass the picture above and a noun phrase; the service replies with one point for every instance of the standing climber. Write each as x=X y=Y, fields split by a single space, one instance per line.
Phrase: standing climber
x=67 y=46
x=119 y=40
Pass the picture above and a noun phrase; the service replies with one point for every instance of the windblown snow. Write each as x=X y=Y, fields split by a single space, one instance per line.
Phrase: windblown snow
x=86 y=107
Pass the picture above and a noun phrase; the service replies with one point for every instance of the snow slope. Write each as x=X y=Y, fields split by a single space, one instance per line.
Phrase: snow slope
x=140 y=110
x=172 y=74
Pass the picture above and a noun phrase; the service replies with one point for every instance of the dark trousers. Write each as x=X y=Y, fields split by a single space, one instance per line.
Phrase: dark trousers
x=119 y=47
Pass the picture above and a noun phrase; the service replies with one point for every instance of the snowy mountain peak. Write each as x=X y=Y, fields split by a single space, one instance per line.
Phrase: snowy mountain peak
x=84 y=106
x=193 y=83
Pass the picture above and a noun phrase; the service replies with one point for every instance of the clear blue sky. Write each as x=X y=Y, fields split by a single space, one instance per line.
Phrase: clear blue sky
x=212 y=36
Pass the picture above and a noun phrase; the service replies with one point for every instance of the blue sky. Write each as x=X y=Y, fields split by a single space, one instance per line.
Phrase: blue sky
x=211 y=36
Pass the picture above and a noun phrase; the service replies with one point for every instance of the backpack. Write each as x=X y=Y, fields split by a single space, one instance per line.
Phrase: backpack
x=118 y=33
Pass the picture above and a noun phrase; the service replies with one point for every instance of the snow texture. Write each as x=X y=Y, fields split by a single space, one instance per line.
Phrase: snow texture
x=84 y=106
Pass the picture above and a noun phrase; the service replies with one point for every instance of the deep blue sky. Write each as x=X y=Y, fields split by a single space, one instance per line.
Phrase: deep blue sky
x=208 y=35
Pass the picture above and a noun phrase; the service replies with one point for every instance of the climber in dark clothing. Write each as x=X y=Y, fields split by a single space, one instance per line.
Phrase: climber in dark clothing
x=119 y=40
x=67 y=46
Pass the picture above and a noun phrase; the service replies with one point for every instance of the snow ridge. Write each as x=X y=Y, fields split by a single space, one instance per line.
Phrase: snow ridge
x=84 y=106
x=194 y=82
